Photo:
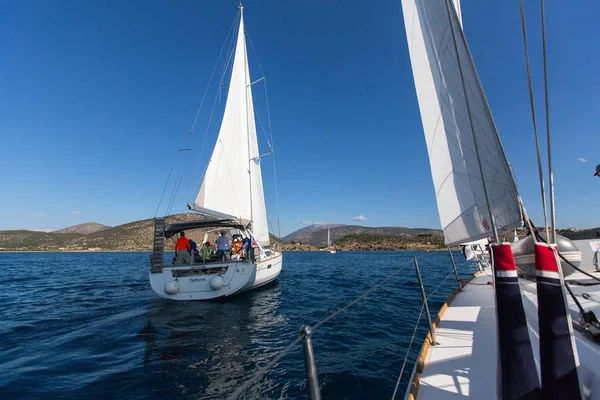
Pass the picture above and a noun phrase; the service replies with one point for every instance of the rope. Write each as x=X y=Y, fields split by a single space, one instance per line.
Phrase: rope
x=187 y=141
x=272 y=144
x=550 y=174
x=412 y=339
x=441 y=283
x=217 y=96
x=163 y=191
x=212 y=74
x=359 y=298
x=535 y=131
x=258 y=374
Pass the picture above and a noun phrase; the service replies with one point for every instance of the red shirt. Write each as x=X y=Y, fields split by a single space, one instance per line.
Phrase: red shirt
x=182 y=244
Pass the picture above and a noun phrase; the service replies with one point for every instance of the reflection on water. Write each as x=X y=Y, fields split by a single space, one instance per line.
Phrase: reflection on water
x=87 y=325
x=215 y=343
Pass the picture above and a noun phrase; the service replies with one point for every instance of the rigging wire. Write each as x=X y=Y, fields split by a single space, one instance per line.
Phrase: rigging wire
x=412 y=339
x=164 y=189
x=552 y=239
x=535 y=130
x=271 y=143
x=179 y=177
x=230 y=37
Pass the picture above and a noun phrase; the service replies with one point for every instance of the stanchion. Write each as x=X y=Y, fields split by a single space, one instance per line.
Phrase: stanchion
x=312 y=379
x=433 y=342
x=455 y=270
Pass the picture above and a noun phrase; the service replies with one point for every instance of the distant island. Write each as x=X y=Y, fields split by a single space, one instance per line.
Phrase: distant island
x=137 y=236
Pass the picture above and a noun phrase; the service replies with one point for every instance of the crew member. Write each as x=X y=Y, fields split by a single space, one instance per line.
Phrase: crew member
x=223 y=246
x=182 y=250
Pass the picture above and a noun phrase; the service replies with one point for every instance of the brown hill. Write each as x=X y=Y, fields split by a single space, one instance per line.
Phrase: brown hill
x=85 y=229
x=134 y=236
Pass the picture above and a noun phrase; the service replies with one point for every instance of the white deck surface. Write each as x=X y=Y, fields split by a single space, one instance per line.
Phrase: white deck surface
x=465 y=361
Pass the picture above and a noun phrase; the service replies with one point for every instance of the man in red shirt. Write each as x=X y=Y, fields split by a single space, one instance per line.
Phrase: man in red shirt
x=182 y=250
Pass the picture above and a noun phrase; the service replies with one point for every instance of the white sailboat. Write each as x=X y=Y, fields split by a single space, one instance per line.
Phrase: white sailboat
x=231 y=195
x=332 y=251
x=476 y=196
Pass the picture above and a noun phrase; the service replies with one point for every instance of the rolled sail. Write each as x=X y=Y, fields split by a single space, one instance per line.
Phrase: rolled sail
x=445 y=98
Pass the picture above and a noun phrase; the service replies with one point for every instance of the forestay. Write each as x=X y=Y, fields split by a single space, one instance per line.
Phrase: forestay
x=233 y=181
x=445 y=98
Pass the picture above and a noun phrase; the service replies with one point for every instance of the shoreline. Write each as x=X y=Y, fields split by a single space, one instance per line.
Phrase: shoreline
x=150 y=251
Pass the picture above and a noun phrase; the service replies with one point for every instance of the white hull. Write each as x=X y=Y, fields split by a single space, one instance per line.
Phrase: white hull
x=194 y=282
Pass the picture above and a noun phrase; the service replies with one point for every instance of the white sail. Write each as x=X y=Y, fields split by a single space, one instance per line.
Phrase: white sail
x=450 y=136
x=233 y=181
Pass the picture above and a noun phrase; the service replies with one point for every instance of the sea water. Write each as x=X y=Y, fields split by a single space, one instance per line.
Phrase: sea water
x=87 y=325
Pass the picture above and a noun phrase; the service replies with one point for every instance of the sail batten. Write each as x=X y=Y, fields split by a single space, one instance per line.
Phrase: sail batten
x=232 y=184
x=457 y=124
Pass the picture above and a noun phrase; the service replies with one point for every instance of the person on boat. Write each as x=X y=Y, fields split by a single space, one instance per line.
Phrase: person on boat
x=193 y=248
x=182 y=249
x=223 y=245
x=206 y=252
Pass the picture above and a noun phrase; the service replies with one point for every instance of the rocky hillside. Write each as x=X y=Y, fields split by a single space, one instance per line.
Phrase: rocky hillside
x=319 y=237
x=309 y=229
x=375 y=241
x=85 y=229
x=134 y=236
x=580 y=234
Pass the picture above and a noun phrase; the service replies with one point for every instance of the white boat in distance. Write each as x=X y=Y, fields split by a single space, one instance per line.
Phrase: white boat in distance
x=332 y=251
x=231 y=195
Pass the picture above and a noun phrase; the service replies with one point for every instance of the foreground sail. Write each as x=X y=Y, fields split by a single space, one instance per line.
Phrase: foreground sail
x=474 y=187
x=464 y=149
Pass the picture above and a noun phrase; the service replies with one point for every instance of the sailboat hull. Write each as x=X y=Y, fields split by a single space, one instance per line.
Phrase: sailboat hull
x=215 y=280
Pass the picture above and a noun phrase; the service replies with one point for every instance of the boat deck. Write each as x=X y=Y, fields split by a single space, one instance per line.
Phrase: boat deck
x=464 y=362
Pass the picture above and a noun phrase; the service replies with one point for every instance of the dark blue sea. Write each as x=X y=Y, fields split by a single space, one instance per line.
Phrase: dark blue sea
x=87 y=325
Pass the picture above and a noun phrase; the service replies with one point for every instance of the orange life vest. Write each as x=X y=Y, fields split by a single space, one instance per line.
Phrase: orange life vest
x=236 y=246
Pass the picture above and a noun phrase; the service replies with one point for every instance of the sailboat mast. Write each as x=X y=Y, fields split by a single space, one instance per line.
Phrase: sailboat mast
x=452 y=11
x=247 y=85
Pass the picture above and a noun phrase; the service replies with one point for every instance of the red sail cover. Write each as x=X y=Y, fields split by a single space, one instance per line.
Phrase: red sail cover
x=517 y=375
x=558 y=354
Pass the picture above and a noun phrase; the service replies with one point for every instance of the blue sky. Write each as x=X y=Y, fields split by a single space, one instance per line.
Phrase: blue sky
x=96 y=97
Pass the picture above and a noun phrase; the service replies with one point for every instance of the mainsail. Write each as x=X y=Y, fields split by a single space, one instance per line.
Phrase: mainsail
x=465 y=152
x=232 y=184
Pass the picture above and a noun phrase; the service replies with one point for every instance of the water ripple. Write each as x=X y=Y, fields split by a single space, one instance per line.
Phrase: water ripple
x=86 y=325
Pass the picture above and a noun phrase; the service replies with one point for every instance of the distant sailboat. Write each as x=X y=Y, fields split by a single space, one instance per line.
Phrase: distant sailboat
x=231 y=194
x=332 y=251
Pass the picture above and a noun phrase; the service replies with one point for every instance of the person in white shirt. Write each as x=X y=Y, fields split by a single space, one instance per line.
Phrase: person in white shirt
x=223 y=245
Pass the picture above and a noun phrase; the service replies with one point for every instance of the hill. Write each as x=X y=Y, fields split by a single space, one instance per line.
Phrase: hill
x=84 y=229
x=133 y=236
x=319 y=237
x=378 y=241
x=580 y=234
x=308 y=229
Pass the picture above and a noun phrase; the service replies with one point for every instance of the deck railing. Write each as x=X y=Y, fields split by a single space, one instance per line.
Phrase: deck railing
x=306 y=333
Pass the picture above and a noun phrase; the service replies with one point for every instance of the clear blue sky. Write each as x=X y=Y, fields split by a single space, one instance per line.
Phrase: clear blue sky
x=95 y=98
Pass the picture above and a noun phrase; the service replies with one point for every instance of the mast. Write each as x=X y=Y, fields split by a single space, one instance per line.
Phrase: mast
x=247 y=84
